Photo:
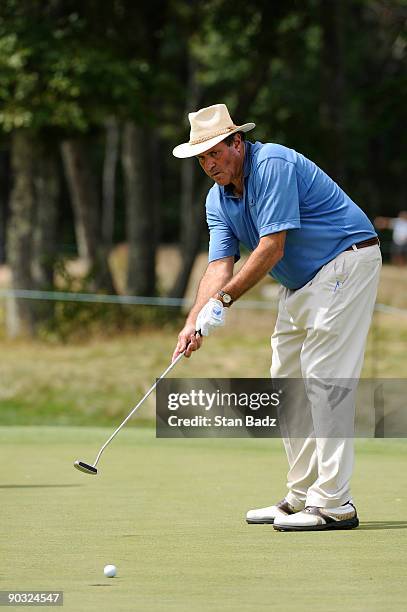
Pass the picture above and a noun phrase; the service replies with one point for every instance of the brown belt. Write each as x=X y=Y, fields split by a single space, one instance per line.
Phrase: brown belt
x=363 y=244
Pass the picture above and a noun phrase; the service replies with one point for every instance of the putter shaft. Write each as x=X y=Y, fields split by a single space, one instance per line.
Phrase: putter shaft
x=91 y=469
x=114 y=434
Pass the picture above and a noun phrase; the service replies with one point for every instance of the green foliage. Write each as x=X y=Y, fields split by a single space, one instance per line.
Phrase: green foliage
x=326 y=78
x=327 y=81
x=54 y=75
x=80 y=320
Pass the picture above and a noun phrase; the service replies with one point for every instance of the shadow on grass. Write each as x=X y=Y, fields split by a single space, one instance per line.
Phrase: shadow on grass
x=37 y=486
x=382 y=525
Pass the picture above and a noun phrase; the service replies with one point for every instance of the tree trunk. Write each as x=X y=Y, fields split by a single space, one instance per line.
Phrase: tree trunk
x=31 y=244
x=333 y=86
x=47 y=187
x=4 y=196
x=109 y=181
x=193 y=224
x=155 y=174
x=84 y=197
x=192 y=203
x=20 y=314
x=140 y=214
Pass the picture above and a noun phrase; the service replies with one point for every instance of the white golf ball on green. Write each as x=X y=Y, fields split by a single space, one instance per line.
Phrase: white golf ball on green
x=110 y=571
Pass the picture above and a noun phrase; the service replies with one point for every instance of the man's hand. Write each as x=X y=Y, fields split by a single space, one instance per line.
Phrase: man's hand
x=212 y=315
x=216 y=275
x=188 y=340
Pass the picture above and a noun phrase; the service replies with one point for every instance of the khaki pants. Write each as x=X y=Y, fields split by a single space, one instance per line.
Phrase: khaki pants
x=320 y=335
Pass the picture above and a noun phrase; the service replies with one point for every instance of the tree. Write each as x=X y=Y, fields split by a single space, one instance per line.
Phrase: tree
x=4 y=195
x=113 y=82
x=31 y=230
x=140 y=211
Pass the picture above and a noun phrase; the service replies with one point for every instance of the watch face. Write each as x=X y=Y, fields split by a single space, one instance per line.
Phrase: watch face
x=226 y=298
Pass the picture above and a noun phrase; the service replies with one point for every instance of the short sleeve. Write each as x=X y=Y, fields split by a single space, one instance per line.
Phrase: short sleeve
x=276 y=198
x=222 y=240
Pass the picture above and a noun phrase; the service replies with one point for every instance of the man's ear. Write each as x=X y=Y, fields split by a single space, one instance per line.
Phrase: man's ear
x=237 y=141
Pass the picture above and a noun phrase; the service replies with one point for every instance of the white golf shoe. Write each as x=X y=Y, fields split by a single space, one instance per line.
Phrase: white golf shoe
x=270 y=513
x=313 y=518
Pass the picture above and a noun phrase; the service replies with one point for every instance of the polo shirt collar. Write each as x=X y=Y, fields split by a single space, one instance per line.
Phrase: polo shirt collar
x=227 y=190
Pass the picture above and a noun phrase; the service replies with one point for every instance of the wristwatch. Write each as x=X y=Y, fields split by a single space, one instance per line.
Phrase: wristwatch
x=225 y=298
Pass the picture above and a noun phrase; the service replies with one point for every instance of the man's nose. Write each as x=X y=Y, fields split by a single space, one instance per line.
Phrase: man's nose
x=210 y=164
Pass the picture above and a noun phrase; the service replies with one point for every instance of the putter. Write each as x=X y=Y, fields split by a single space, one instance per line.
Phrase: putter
x=91 y=469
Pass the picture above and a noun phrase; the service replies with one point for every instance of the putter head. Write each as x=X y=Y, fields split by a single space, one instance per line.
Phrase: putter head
x=85 y=467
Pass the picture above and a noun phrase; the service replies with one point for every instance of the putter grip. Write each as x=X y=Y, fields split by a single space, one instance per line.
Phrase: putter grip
x=198 y=331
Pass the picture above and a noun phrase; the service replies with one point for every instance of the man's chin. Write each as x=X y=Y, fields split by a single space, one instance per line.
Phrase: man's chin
x=221 y=180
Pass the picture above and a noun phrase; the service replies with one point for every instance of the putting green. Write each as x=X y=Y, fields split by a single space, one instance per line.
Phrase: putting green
x=170 y=515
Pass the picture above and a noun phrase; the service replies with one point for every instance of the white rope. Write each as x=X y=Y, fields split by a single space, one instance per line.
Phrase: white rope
x=65 y=296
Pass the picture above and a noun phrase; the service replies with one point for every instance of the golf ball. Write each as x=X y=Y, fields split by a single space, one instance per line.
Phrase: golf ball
x=110 y=571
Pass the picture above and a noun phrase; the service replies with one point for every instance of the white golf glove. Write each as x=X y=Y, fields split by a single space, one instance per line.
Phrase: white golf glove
x=212 y=315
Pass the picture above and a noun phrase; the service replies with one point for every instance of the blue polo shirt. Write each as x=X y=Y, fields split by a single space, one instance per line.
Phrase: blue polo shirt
x=283 y=190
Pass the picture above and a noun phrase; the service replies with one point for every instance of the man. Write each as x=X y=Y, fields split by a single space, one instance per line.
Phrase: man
x=310 y=236
x=399 y=240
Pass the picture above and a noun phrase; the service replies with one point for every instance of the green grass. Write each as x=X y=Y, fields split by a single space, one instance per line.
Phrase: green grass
x=97 y=381
x=170 y=515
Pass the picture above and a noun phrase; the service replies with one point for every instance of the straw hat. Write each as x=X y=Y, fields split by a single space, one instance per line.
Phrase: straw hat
x=208 y=127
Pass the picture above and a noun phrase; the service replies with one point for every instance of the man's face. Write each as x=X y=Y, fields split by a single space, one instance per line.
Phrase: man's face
x=223 y=163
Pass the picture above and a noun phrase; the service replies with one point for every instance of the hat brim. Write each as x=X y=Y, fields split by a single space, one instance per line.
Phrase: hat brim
x=187 y=150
